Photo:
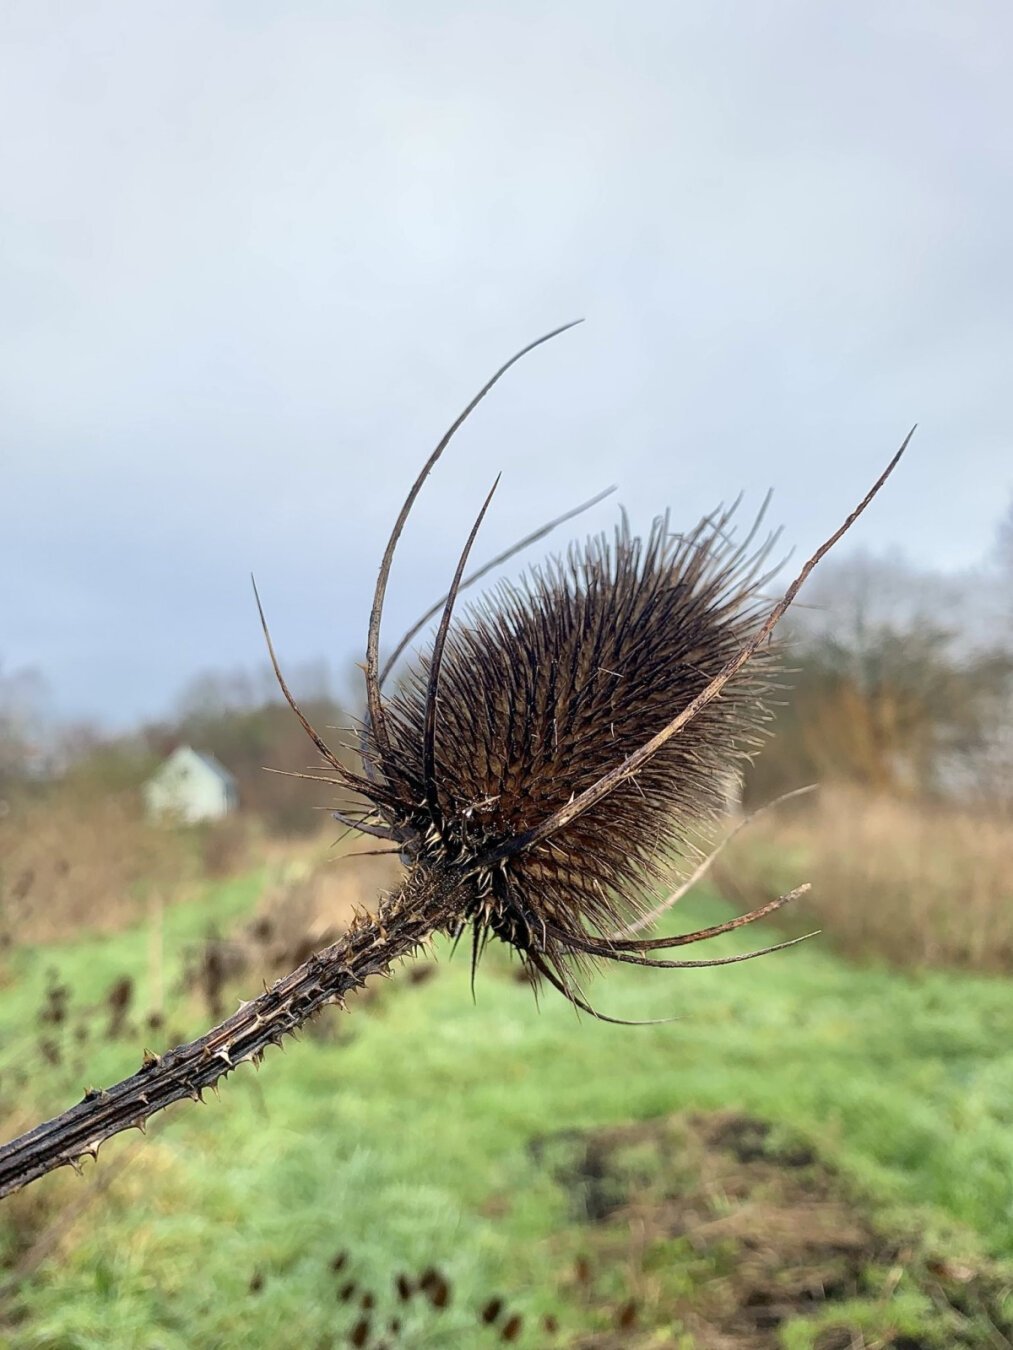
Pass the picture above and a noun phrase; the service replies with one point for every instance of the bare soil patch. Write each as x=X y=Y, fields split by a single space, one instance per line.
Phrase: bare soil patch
x=726 y=1229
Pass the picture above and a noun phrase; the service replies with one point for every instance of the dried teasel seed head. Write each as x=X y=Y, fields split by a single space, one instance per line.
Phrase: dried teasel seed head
x=544 y=687
x=552 y=751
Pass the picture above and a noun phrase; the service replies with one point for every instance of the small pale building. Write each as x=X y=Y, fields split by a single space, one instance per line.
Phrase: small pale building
x=190 y=787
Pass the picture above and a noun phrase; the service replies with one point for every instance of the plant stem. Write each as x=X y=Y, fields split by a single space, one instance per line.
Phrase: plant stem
x=403 y=921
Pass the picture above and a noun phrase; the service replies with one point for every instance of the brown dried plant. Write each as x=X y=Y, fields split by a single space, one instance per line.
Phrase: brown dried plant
x=539 y=767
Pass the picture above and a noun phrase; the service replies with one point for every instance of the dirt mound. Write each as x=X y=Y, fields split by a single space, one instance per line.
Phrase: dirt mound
x=725 y=1230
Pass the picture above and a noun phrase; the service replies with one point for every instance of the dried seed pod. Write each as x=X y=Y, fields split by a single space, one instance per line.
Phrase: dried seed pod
x=551 y=753
x=544 y=689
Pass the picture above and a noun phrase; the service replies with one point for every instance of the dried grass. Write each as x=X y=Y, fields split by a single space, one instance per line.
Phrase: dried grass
x=312 y=905
x=914 y=884
x=70 y=864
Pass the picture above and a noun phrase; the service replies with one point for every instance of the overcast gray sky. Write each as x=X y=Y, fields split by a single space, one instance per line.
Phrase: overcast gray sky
x=255 y=256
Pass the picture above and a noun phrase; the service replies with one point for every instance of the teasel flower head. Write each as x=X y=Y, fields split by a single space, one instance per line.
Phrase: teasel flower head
x=553 y=754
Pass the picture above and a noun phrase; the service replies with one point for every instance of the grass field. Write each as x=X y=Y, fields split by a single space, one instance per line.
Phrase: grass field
x=813 y=1155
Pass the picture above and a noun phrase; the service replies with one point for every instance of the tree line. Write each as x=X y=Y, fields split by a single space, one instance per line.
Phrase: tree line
x=894 y=679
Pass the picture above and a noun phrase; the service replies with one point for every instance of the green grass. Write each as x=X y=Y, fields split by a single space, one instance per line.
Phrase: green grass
x=407 y=1143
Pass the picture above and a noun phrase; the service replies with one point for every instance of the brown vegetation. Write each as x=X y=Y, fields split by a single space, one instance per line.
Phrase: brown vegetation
x=69 y=863
x=893 y=703
x=767 y=1232
x=919 y=884
x=311 y=906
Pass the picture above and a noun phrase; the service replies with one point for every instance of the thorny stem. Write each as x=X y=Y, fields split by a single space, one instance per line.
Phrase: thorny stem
x=403 y=922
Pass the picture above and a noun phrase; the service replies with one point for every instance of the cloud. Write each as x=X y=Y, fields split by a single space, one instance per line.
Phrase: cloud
x=256 y=257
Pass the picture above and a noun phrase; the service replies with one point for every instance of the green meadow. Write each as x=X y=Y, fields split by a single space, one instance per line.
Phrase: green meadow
x=811 y=1152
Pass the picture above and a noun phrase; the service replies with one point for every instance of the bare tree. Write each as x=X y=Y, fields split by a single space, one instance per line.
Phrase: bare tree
x=901 y=682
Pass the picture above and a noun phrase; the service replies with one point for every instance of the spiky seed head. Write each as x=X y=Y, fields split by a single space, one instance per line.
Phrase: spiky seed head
x=549 y=754
x=545 y=686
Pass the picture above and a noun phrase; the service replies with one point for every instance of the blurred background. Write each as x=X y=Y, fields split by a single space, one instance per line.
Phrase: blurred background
x=255 y=259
